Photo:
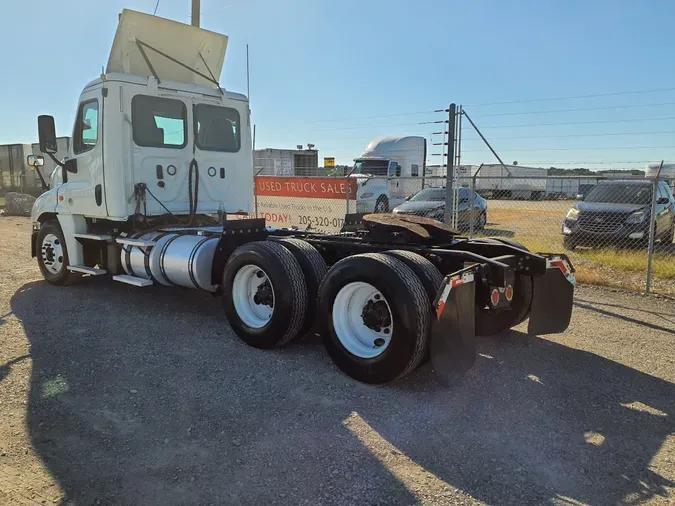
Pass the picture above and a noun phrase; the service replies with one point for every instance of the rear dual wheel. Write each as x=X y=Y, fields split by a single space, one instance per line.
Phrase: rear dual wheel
x=269 y=291
x=375 y=309
x=376 y=317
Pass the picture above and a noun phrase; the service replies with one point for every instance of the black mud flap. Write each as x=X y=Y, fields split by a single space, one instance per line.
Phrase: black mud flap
x=453 y=332
x=552 y=298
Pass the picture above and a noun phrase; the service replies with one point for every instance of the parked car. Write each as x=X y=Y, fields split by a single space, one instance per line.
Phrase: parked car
x=618 y=213
x=430 y=203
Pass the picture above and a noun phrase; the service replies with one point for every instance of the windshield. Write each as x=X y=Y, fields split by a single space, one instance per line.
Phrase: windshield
x=620 y=194
x=429 y=195
x=373 y=167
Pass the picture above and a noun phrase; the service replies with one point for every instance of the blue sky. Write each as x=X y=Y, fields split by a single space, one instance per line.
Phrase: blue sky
x=319 y=67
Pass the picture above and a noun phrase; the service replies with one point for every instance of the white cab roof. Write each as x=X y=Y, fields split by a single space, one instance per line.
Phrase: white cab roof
x=182 y=42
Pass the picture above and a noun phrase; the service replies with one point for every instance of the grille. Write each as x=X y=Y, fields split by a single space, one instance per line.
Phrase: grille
x=601 y=223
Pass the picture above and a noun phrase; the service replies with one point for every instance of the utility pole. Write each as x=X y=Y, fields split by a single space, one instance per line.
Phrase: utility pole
x=450 y=167
x=195 y=13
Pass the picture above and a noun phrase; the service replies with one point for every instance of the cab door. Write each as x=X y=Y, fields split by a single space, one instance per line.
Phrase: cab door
x=393 y=182
x=161 y=151
x=84 y=193
x=223 y=155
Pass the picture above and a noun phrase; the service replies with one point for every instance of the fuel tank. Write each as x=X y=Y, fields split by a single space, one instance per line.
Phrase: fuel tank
x=174 y=260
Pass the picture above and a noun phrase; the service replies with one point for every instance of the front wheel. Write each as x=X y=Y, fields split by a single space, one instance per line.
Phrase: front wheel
x=52 y=254
x=382 y=204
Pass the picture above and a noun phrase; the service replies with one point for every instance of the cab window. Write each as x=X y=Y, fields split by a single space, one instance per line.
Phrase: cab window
x=414 y=170
x=159 y=122
x=217 y=128
x=86 y=127
x=394 y=169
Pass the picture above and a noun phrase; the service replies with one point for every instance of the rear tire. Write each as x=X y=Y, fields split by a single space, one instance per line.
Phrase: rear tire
x=314 y=268
x=390 y=281
x=425 y=271
x=264 y=294
x=52 y=254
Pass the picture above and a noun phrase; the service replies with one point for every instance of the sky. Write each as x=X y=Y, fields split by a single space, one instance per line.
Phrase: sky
x=338 y=73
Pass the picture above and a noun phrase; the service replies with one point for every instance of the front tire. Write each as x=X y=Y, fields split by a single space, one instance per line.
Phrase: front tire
x=52 y=254
x=376 y=317
x=382 y=204
x=264 y=294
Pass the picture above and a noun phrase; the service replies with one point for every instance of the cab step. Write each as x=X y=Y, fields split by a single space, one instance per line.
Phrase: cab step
x=83 y=269
x=132 y=280
x=139 y=243
x=93 y=237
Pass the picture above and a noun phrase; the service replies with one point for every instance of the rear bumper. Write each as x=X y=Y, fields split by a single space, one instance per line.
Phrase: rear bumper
x=453 y=332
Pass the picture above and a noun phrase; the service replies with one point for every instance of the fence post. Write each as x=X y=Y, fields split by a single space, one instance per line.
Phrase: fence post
x=450 y=167
x=347 y=192
x=652 y=232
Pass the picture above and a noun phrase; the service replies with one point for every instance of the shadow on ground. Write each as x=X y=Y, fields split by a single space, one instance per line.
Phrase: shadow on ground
x=143 y=398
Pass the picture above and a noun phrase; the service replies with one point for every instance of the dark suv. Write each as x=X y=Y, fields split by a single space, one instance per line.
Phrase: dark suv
x=618 y=213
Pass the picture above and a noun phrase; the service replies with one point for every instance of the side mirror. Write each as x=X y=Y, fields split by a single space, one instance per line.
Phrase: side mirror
x=580 y=196
x=47 y=134
x=408 y=198
x=35 y=160
x=663 y=200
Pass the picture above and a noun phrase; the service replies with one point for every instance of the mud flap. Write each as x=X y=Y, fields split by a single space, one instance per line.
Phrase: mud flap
x=453 y=332
x=552 y=298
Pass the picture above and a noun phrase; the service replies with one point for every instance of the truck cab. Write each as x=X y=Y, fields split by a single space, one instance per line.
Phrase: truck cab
x=386 y=172
x=154 y=136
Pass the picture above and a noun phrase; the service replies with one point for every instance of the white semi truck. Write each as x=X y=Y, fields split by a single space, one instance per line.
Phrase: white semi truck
x=385 y=172
x=161 y=155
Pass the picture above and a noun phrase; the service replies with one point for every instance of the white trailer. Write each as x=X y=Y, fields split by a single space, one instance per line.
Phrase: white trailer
x=161 y=155
x=387 y=172
x=286 y=162
x=511 y=182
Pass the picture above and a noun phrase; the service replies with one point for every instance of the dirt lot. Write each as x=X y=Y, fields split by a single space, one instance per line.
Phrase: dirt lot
x=111 y=394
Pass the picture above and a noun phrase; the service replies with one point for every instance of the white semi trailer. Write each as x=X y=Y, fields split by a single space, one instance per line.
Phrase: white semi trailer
x=387 y=172
x=161 y=155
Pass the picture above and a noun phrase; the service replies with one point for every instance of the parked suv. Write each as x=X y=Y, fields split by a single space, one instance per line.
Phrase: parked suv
x=618 y=213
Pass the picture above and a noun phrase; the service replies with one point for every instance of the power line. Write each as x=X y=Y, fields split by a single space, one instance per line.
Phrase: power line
x=576 y=149
x=568 y=136
x=579 y=122
x=576 y=110
x=613 y=94
x=156 y=5
x=370 y=117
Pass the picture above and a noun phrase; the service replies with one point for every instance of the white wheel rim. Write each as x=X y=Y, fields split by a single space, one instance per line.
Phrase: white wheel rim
x=348 y=320
x=51 y=252
x=247 y=284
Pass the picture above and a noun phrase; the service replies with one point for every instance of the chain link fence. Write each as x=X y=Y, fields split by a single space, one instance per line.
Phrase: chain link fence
x=618 y=232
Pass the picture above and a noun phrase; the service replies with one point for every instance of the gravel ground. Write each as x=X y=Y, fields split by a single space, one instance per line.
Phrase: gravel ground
x=111 y=394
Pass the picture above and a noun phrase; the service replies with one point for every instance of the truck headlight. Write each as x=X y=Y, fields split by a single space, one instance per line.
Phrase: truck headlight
x=366 y=195
x=637 y=217
x=572 y=214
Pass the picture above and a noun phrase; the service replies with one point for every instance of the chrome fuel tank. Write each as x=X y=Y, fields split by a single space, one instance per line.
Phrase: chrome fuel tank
x=175 y=259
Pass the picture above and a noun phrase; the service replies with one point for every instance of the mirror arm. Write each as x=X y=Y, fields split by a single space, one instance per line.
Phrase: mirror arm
x=45 y=186
x=55 y=160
